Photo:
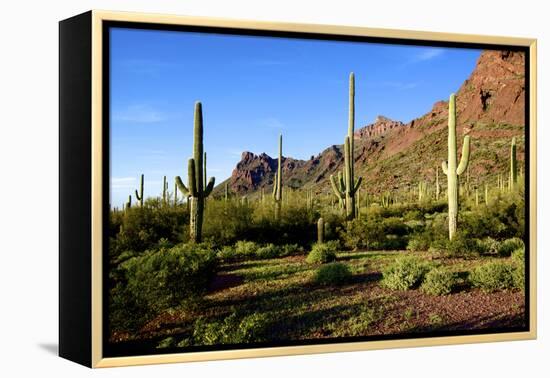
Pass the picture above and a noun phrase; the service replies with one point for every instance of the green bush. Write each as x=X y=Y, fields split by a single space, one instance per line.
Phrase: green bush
x=161 y=279
x=518 y=275
x=269 y=251
x=493 y=276
x=518 y=256
x=375 y=233
x=332 y=274
x=291 y=249
x=226 y=222
x=321 y=253
x=234 y=329
x=488 y=246
x=439 y=281
x=405 y=273
x=510 y=245
x=143 y=228
x=419 y=242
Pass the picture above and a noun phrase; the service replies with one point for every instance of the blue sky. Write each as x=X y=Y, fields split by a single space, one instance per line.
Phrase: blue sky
x=252 y=89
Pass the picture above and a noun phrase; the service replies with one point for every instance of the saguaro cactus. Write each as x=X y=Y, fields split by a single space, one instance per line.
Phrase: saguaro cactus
x=346 y=188
x=129 y=203
x=197 y=192
x=321 y=230
x=451 y=169
x=164 y=189
x=175 y=193
x=512 y=182
x=226 y=192
x=437 y=186
x=278 y=183
x=422 y=191
x=139 y=195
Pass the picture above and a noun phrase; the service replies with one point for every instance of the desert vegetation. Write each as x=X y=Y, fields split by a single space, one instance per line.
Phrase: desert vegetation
x=216 y=267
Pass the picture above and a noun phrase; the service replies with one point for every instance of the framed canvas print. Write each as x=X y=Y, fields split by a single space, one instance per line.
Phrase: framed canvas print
x=235 y=189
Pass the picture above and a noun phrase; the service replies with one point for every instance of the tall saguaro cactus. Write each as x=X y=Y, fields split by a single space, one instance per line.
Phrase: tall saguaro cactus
x=346 y=187
x=139 y=195
x=278 y=183
x=321 y=230
x=164 y=189
x=437 y=186
x=512 y=182
x=451 y=169
x=196 y=192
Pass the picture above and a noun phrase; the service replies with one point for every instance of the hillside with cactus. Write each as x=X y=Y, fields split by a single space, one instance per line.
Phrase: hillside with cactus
x=394 y=156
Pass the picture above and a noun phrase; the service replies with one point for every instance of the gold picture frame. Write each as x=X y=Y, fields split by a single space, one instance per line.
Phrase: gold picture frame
x=90 y=329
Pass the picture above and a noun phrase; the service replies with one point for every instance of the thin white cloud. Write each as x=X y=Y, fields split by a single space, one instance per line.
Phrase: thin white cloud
x=147 y=67
x=427 y=54
x=139 y=114
x=119 y=183
x=235 y=151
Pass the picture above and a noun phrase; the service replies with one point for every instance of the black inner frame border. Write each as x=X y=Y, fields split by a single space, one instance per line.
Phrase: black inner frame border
x=110 y=350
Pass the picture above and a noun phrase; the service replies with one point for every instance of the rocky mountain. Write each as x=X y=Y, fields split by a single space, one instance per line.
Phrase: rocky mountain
x=391 y=155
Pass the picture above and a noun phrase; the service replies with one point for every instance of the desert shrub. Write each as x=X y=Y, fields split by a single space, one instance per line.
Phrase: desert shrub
x=488 y=246
x=226 y=221
x=332 y=274
x=439 y=281
x=518 y=274
x=245 y=248
x=419 y=242
x=462 y=245
x=291 y=249
x=321 y=253
x=161 y=279
x=508 y=246
x=234 y=329
x=518 y=256
x=404 y=273
x=141 y=228
x=269 y=251
x=375 y=233
x=493 y=276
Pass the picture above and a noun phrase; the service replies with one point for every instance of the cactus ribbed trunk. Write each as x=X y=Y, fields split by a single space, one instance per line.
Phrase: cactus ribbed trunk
x=437 y=187
x=139 y=195
x=278 y=184
x=451 y=169
x=513 y=166
x=164 y=187
x=346 y=187
x=486 y=194
x=321 y=231
x=197 y=191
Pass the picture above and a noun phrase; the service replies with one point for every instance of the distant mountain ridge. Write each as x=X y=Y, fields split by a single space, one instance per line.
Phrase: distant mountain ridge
x=391 y=155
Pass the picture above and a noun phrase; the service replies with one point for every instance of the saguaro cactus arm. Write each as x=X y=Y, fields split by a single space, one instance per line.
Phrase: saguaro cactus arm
x=444 y=167
x=465 y=158
x=336 y=187
x=209 y=186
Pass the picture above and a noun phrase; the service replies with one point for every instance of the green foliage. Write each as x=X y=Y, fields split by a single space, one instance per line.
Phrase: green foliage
x=269 y=251
x=439 y=281
x=375 y=233
x=493 y=276
x=234 y=329
x=140 y=228
x=405 y=273
x=227 y=221
x=321 y=254
x=508 y=246
x=332 y=274
x=518 y=256
x=247 y=250
x=161 y=279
